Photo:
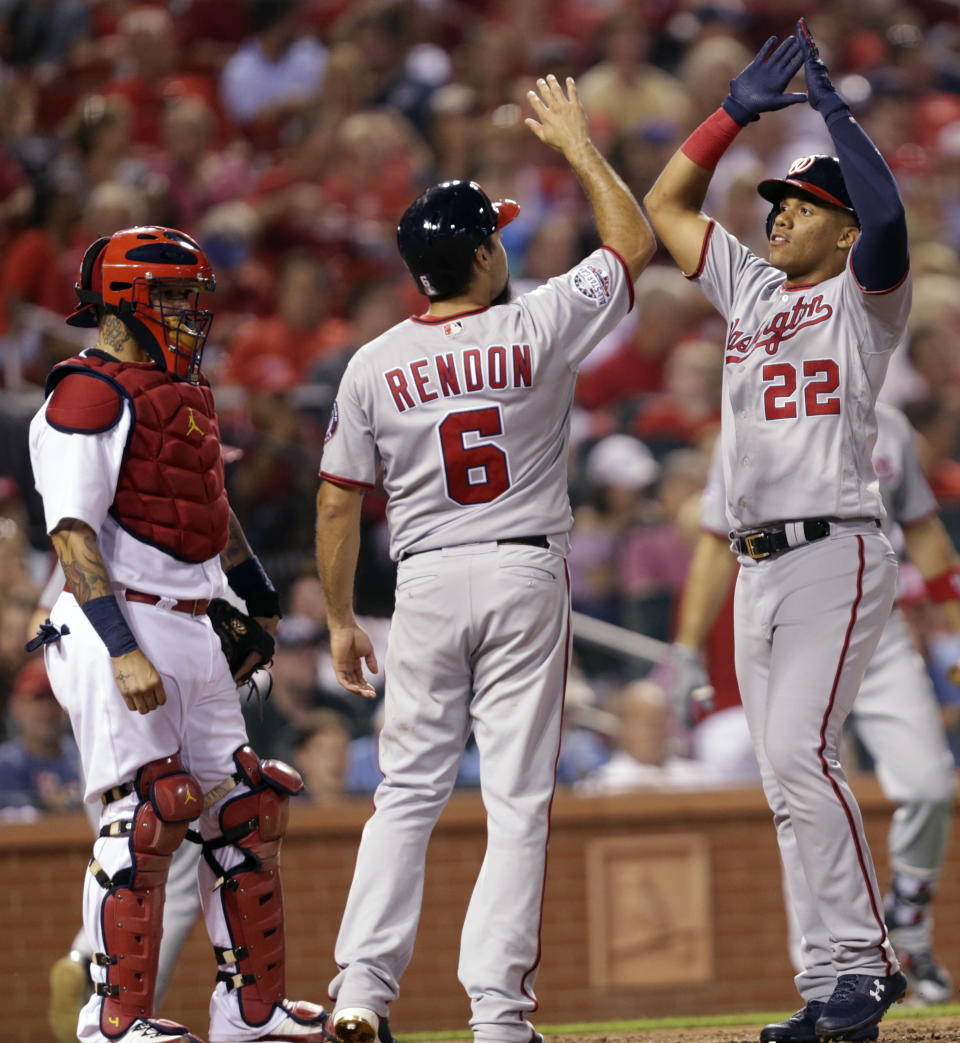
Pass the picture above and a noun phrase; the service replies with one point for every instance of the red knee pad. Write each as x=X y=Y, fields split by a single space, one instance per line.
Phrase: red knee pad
x=175 y=794
x=251 y=893
x=131 y=914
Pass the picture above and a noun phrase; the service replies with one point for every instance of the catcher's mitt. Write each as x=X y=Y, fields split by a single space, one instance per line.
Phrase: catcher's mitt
x=240 y=635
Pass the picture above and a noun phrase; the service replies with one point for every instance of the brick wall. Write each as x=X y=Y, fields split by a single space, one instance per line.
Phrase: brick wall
x=43 y=866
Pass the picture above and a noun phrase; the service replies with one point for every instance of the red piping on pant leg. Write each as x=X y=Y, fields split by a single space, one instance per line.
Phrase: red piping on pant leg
x=824 y=767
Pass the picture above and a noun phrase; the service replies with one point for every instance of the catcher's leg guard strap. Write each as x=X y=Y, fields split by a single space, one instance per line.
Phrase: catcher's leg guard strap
x=251 y=894
x=132 y=910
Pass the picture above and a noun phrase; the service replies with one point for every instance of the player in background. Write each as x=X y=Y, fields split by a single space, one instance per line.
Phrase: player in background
x=895 y=714
x=126 y=456
x=810 y=333
x=466 y=408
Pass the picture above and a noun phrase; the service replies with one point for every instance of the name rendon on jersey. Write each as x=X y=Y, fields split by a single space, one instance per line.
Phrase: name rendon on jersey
x=460 y=373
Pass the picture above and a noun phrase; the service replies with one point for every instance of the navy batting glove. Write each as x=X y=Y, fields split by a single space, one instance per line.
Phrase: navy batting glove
x=759 y=88
x=821 y=92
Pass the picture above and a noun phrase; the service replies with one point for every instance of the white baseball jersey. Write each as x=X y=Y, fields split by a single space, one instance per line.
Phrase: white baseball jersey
x=76 y=474
x=464 y=413
x=802 y=368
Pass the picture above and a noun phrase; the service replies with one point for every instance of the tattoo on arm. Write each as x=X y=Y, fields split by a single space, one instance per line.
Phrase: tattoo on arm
x=83 y=566
x=237 y=548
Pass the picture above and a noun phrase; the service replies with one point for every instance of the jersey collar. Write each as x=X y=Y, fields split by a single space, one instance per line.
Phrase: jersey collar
x=439 y=320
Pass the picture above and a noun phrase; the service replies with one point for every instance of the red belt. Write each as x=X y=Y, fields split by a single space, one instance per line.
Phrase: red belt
x=194 y=606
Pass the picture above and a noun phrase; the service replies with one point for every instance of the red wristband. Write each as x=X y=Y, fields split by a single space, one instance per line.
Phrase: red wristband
x=946 y=586
x=711 y=139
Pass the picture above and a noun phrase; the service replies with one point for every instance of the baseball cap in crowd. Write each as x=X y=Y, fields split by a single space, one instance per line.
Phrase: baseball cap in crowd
x=817 y=176
x=31 y=681
x=621 y=460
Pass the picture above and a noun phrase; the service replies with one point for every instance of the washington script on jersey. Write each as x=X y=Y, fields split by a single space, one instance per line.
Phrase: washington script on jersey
x=460 y=373
x=783 y=326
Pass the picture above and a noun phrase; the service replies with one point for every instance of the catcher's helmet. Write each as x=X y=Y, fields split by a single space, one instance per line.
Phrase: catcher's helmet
x=816 y=176
x=441 y=231
x=116 y=276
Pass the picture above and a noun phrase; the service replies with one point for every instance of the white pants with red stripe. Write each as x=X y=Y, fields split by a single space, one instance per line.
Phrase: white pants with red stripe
x=806 y=624
x=479 y=639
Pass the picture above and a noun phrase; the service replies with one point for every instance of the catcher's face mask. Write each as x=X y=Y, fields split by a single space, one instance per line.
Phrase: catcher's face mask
x=182 y=325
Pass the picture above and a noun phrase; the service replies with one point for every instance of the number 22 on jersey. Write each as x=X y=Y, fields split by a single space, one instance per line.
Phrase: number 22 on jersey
x=820 y=379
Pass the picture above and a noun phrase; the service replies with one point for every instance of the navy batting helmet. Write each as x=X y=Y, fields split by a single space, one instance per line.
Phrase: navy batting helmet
x=816 y=176
x=441 y=231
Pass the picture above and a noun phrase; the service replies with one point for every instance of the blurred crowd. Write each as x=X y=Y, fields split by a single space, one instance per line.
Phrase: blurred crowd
x=288 y=137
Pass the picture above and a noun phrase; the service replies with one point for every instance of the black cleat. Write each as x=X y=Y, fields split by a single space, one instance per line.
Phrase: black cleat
x=801 y=1028
x=858 y=1002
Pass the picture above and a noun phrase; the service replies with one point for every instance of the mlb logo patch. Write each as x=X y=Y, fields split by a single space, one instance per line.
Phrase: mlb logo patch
x=450 y=328
x=593 y=283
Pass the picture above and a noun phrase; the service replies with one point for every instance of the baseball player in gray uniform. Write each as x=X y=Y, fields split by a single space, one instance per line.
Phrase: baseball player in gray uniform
x=809 y=336
x=126 y=455
x=465 y=411
x=895 y=713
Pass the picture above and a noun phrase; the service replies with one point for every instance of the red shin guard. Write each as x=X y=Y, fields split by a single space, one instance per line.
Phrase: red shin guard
x=255 y=823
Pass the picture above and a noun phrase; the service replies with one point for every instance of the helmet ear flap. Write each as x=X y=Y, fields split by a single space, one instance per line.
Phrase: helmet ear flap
x=89 y=286
x=86 y=290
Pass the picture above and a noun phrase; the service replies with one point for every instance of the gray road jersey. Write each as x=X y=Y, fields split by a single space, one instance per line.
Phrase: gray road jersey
x=907 y=496
x=802 y=368
x=469 y=415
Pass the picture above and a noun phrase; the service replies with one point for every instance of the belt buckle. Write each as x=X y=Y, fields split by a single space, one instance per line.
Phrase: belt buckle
x=753 y=550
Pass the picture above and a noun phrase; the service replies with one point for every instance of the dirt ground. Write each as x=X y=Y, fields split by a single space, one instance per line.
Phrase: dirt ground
x=912 y=1030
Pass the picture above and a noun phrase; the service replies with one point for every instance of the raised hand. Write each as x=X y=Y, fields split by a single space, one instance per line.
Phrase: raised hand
x=760 y=87
x=561 y=122
x=821 y=92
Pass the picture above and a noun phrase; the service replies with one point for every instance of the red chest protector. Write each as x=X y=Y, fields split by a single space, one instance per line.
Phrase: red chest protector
x=170 y=490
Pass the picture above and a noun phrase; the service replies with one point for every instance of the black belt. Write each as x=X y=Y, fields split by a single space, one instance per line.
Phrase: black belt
x=772 y=539
x=530 y=541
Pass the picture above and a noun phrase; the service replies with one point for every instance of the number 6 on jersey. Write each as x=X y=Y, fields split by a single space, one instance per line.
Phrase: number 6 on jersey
x=476 y=473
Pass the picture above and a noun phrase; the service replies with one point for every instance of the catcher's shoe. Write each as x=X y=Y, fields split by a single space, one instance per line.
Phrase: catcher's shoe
x=801 y=1028
x=928 y=978
x=156 y=1030
x=858 y=1002
x=70 y=988
x=304 y=1023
